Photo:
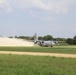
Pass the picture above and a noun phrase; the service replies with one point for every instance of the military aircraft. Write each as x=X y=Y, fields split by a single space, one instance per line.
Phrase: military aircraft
x=44 y=43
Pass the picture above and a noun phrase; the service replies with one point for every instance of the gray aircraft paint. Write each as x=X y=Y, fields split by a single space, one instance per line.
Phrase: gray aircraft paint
x=43 y=43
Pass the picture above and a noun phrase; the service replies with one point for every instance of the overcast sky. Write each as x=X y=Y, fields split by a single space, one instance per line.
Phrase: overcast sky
x=26 y=17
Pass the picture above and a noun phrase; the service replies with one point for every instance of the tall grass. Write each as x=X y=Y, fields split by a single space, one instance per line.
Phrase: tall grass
x=55 y=49
x=35 y=65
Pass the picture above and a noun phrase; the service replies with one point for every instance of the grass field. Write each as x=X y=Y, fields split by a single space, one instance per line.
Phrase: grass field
x=36 y=65
x=55 y=49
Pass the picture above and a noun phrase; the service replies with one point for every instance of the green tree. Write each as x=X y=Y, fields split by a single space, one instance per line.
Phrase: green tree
x=69 y=41
x=47 y=37
x=40 y=38
x=74 y=40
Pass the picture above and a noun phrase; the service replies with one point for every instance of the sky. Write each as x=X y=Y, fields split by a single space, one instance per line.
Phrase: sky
x=44 y=17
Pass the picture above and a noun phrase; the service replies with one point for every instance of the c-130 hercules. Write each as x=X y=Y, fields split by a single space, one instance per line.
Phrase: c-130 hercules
x=44 y=43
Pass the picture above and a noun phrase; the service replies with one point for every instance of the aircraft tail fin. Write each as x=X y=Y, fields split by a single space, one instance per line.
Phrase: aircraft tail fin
x=35 y=38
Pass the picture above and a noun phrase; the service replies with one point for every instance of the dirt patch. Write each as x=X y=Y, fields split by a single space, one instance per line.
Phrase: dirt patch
x=40 y=54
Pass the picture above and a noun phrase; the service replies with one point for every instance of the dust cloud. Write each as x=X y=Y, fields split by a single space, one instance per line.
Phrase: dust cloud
x=5 y=41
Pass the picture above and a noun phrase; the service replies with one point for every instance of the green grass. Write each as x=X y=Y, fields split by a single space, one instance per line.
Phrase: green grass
x=36 y=65
x=55 y=49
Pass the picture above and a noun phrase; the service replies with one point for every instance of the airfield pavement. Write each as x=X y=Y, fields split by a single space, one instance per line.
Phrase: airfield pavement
x=39 y=54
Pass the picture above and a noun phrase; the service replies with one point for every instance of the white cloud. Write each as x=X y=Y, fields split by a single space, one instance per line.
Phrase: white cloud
x=5 y=5
x=56 y=6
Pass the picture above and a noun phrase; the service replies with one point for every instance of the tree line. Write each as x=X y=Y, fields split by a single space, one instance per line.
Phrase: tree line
x=71 y=41
x=46 y=38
